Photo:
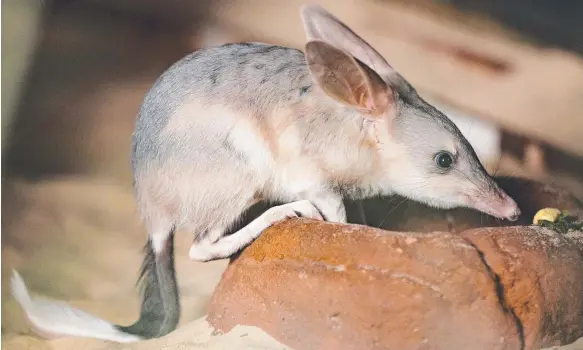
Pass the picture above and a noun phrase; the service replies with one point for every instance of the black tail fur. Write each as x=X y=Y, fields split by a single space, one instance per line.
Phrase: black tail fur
x=160 y=309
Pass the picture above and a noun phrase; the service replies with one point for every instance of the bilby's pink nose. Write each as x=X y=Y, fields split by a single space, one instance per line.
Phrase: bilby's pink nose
x=506 y=208
x=514 y=215
x=510 y=208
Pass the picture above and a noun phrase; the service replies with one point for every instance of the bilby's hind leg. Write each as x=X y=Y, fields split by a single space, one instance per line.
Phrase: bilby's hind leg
x=224 y=247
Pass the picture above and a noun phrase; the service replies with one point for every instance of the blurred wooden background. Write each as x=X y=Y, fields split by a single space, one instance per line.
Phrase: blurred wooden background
x=91 y=61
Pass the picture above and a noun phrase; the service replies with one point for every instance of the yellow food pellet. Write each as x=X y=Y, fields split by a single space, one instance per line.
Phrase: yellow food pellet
x=547 y=214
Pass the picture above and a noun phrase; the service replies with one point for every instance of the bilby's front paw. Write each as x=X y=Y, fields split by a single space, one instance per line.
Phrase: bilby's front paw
x=302 y=208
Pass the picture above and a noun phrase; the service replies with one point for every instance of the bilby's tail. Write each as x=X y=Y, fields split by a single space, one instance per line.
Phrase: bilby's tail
x=160 y=310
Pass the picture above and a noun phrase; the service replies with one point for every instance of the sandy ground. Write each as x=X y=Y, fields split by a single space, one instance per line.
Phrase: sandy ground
x=80 y=240
x=197 y=335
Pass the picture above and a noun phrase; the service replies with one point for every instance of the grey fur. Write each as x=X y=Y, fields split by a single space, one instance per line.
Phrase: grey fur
x=247 y=78
x=242 y=87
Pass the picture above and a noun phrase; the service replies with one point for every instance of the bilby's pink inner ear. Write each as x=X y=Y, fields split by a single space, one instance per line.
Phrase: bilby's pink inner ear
x=321 y=25
x=347 y=80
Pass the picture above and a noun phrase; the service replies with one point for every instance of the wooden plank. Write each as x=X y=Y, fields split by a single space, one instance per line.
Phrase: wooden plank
x=533 y=91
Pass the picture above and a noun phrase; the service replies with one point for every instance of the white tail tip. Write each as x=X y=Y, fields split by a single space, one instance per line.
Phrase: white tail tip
x=60 y=319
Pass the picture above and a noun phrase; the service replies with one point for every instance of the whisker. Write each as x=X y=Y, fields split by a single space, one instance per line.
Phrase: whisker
x=392 y=200
x=392 y=210
x=467 y=177
x=470 y=128
x=498 y=165
x=511 y=173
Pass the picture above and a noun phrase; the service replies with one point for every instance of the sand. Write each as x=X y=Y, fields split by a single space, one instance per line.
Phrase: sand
x=196 y=335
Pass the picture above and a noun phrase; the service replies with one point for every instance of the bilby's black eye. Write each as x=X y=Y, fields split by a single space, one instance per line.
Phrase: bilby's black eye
x=444 y=160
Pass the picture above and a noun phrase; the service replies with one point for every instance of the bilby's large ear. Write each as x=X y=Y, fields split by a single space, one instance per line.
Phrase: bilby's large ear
x=347 y=80
x=320 y=25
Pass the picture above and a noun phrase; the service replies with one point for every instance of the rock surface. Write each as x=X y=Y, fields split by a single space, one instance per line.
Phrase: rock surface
x=315 y=285
x=541 y=277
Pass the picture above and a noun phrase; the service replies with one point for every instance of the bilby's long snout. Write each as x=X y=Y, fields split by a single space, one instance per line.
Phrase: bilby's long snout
x=497 y=203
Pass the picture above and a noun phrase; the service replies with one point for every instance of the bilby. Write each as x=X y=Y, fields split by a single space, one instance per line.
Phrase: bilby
x=229 y=126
